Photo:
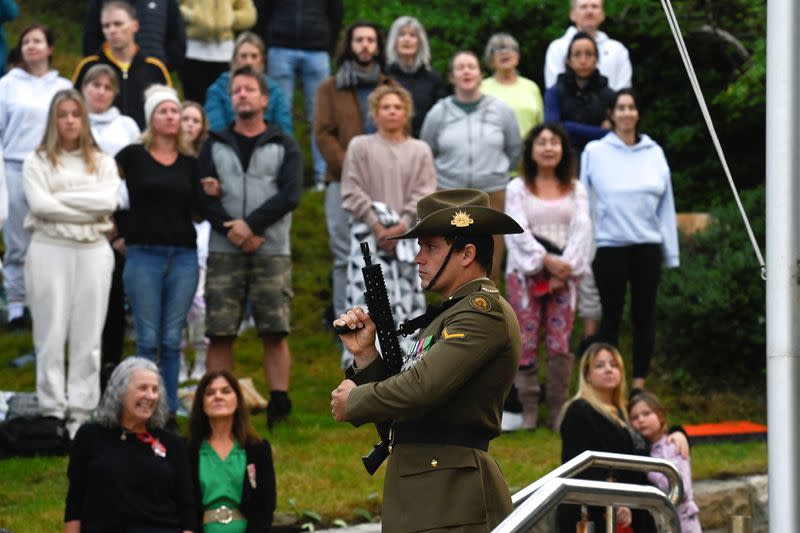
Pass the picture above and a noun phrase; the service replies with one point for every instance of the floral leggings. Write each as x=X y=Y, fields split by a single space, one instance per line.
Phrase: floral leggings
x=553 y=311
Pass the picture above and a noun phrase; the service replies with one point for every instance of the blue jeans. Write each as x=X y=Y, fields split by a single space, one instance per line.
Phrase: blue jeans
x=160 y=282
x=284 y=66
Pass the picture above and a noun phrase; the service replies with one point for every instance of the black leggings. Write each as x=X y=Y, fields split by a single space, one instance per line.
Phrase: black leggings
x=614 y=268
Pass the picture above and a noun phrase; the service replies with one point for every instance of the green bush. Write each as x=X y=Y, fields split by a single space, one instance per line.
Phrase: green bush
x=712 y=309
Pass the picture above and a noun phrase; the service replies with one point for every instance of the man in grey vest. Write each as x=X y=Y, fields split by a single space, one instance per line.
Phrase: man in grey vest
x=162 y=33
x=253 y=176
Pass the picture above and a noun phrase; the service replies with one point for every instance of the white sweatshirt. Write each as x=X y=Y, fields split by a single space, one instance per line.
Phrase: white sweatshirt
x=24 y=102
x=67 y=203
x=113 y=131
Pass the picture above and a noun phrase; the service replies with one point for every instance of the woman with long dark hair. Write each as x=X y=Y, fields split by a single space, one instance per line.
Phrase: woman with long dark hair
x=72 y=189
x=232 y=466
x=628 y=180
x=544 y=264
x=25 y=95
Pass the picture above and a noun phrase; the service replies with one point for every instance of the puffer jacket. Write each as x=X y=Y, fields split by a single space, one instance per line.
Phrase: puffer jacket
x=217 y=20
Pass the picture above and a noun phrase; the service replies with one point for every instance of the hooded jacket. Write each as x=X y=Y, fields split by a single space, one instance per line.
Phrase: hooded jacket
x=630 y=194
x=142 y=72
x=219 y=107
x=112 y=130
x=468 y=148
x=24 y=103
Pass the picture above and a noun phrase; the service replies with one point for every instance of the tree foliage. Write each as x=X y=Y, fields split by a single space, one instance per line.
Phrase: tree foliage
x=732 y=84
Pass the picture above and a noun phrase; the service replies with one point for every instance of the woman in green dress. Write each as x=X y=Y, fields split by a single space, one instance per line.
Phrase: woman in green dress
x=234 y=477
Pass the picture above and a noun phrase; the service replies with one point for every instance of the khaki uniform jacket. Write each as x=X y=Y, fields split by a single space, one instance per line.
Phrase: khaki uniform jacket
x=337 y=119
x=465 y=364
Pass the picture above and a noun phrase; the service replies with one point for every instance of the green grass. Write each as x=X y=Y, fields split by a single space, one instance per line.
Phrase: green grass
x=317 y=461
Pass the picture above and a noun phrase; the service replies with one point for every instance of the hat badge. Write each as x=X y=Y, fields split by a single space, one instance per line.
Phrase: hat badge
x=461 y=219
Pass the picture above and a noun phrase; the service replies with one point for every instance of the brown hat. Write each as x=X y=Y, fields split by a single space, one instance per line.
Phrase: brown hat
x=454 y=212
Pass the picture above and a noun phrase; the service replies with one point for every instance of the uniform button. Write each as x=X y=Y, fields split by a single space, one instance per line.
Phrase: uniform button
x=434 y=463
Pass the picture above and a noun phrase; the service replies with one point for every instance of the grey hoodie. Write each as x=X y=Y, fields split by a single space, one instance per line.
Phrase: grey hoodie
x=475 y=150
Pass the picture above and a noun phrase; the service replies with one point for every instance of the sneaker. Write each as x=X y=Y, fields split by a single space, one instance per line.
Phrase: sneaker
x=183 y=373
x=511 y=421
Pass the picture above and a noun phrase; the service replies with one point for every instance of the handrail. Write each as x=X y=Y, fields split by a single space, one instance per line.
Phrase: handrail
x=600 y=493
x=618 y=461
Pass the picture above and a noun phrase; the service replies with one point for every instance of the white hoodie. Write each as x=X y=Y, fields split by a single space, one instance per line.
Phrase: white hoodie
x=113 y=131
x=24 y=103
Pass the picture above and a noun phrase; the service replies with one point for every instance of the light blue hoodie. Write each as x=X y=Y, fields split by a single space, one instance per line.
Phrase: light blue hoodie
x=630 y=194
x=24 y=102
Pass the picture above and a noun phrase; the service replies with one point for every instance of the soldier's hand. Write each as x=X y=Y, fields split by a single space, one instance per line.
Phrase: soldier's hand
x=339 y=400
x=239 y=231
x=361 y=342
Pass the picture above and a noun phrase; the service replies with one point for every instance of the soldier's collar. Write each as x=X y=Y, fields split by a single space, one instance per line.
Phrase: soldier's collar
x=482 y=283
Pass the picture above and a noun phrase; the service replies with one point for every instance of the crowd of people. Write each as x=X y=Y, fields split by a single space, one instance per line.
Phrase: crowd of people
x=181 y=209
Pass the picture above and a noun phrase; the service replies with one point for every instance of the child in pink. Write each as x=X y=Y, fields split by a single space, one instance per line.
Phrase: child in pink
x=649 y=418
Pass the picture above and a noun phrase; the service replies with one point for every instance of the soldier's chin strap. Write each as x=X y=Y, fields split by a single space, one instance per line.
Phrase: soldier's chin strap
x=435 y=277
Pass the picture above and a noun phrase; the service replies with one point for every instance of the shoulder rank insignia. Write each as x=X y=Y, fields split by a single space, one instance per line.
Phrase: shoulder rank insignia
x=489 y=289
x=481 y=303
x=446 y=335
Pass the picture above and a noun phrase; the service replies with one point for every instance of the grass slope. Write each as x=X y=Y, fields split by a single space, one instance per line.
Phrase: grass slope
x=316 y=460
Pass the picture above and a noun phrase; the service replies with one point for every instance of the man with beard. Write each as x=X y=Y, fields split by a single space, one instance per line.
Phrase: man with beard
x=341 y=112
x=253 y=180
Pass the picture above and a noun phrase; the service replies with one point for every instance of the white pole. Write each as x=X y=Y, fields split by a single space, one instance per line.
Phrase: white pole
x=783 y=263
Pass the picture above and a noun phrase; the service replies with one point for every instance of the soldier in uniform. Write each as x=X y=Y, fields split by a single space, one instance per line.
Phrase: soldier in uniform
x=445 y=406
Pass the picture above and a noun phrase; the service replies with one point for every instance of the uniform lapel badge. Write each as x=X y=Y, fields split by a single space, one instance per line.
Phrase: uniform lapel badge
x=461 y=219
x=481 y=303
x=251 y=475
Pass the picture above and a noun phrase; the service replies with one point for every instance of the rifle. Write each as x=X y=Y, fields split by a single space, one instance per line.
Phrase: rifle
x=380 y=311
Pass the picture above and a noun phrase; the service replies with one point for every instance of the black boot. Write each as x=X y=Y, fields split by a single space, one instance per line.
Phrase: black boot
x=279 y=407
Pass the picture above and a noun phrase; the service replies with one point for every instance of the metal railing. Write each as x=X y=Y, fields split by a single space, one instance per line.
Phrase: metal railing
x=601 y=493
x=541 y=497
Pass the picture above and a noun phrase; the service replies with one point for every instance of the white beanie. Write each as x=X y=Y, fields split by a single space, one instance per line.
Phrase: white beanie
x=156 y=95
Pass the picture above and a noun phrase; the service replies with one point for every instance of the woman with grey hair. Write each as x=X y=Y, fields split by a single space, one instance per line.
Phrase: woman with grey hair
x=521 y=94
x=126 y=473
x=409 y=58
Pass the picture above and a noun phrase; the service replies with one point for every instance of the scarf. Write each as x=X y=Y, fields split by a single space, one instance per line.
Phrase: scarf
x=349 y=75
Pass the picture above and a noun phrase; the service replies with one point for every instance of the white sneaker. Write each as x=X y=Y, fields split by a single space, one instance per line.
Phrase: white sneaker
x=183 y=373
x=511 y=421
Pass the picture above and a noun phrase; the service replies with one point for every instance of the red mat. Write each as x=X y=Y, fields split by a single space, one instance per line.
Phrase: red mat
x=733 y=430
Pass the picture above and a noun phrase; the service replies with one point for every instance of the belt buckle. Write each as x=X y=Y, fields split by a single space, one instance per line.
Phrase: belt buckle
x=223 y=514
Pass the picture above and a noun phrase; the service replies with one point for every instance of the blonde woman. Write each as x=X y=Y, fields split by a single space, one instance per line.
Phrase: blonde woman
x=596 y=418
x=72 y=190
x=161 y=270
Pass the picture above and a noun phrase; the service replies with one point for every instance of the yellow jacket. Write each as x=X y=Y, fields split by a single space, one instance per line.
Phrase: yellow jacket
x=217 y=20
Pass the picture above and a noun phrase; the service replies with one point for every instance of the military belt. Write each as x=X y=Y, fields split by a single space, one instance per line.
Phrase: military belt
x=407 y=433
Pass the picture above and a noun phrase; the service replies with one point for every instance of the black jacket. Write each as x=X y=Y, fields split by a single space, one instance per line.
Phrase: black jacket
x=585 y=428
x=143 y=72
x=300 y=24
x=426 y=89
x=258 y=503
x=162 y=33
